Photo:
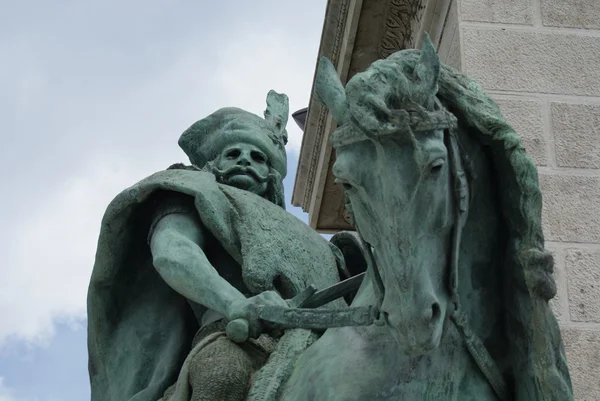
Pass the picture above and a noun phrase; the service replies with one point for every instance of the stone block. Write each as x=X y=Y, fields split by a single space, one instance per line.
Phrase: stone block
x=583 y=285
x=499 y=11
x=555 y=63
x=526 y=118
x=582 y=347
x=576 y=129
x=571 y=211
x=571 y=13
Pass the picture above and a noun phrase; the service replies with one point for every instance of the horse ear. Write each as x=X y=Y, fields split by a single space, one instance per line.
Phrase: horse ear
x=276 y=114
x=330 y=91
x=427 y=70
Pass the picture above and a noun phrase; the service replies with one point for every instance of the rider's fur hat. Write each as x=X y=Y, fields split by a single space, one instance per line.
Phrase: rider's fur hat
x=207 y=138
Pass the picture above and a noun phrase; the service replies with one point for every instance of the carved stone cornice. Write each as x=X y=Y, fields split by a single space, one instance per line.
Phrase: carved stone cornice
x=336 y=43
x=400 y=20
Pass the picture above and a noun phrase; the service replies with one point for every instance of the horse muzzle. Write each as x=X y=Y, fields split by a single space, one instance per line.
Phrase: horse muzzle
x=419 y=334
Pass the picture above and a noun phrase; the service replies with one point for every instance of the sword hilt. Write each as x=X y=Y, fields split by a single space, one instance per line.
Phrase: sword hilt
x=238 y=330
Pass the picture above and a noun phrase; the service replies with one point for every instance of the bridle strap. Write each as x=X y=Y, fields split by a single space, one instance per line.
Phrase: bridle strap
x=476 y=348
x=379 y=286
x=447 y=121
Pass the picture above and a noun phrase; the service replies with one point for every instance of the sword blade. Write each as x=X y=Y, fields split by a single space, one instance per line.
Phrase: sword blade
x=302 y=297
x=332 y=292
x=317 y=318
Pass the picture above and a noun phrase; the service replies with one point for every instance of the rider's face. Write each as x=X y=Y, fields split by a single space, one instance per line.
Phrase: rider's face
x=245 y=166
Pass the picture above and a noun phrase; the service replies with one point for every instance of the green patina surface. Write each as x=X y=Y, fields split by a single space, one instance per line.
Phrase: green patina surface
x=220 y=241
x=442 y=191
x=447 y=207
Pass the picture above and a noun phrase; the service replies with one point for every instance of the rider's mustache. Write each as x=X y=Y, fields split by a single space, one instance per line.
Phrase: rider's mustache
x=236 y=169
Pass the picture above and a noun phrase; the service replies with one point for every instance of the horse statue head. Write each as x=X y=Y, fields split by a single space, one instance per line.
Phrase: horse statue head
x=395 y=162
x=448 y=206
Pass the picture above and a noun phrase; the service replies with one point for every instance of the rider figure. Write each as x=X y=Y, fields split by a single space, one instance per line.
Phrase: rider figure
x=244 y=151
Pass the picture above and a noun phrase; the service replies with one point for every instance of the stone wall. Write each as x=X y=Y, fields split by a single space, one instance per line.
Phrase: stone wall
x=540 y=59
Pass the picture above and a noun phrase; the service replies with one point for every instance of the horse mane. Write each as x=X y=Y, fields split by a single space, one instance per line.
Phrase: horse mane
x=521 y=195
x=540 y=364
x=381 y=93
x=386 y=88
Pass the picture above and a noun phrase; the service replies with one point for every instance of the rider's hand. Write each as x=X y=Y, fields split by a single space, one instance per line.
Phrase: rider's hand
x=246 y=309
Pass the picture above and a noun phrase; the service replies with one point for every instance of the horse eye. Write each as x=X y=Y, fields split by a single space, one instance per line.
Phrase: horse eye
x=436 y=166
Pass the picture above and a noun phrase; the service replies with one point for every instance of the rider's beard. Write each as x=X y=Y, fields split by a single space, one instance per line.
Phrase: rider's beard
x=253 y=182
x=224 y=175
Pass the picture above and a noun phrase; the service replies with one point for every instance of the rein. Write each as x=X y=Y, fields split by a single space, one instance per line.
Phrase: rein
x=475 y=346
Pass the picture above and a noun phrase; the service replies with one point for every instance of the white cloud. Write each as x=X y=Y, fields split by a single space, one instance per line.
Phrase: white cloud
x=48 y=270
x=30 y=79
x=132 y=133
x=47 y=277
x=6 y=393
x=116 y=137
x=263 y=61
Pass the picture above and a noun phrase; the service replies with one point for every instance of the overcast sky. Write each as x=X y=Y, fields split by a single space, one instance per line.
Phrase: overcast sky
x=93 y=97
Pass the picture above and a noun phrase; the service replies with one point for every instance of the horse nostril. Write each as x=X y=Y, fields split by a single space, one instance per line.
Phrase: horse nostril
x=436 y=313
x=382 y=318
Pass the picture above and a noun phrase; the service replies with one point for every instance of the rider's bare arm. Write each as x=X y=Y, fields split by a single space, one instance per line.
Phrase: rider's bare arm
x=177 y=242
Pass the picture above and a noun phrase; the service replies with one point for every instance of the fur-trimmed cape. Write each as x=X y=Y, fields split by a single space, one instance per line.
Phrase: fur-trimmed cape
x=139 y=329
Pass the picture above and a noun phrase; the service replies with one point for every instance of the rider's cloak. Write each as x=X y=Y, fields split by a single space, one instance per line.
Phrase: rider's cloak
x=139 y=329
